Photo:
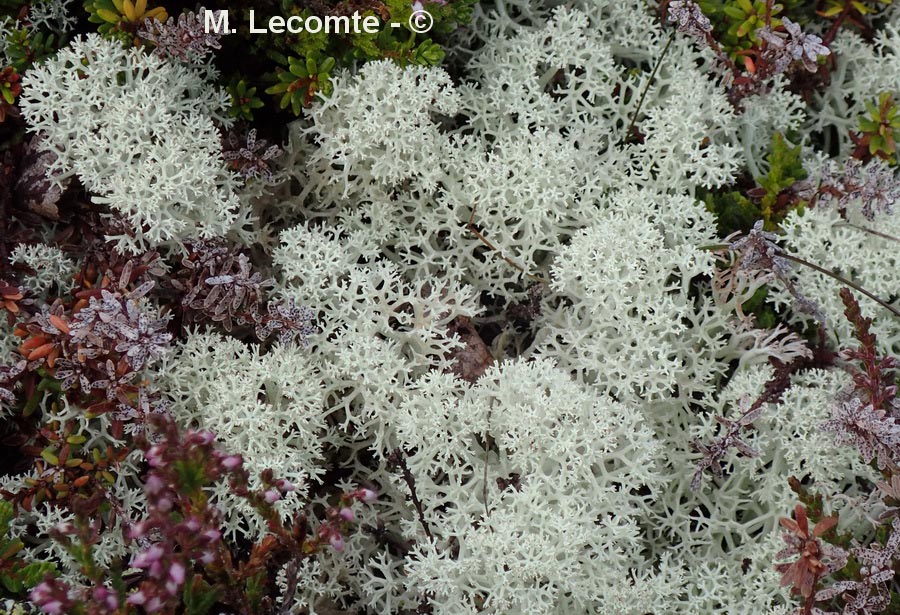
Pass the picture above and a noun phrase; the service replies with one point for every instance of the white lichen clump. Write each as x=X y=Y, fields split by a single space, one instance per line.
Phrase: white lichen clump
x=141 y=134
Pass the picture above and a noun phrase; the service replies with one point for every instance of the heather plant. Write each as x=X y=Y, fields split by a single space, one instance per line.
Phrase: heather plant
x=181 y=531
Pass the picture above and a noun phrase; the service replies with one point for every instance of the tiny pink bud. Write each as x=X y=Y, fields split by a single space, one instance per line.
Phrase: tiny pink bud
x=337 y=542
x=212 y=535
x=204 y=437
x=347 y=514
x=271 y=496
x=285 y=486
x=192 y=525
x=367 y=495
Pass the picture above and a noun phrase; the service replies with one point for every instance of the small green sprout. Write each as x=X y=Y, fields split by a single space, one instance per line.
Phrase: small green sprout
x=243 y=100
x=747 y=17
x=302 y=82
x=879 y=129
x=121 y=18
x=10 y=88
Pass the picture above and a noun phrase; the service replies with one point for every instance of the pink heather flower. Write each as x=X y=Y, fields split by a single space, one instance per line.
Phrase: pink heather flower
x=103 y=594
x=212 y=535
x=176 y=572
x=136 y=531
x=176 y=578
x=155 y=604
x=154 y=456
x=417 y=6
x=192 y=525
x=40 y=591
x=51 y=597
x=203 y=438
x=271 y=496
x=232 y=462
x=52 y=608
x=207 y=558
x=137 y=597
x=337 y=542
x=147 y=558
x=154 y=484
x=347 y=514
x=155 y=570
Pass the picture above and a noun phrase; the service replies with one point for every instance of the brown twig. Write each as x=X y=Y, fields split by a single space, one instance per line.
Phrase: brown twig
x=287 y=601
x=484 y=478
x=810 y=601
x=398 y=459
x=869 y=230
x=842 y=280
x=471 y=226
x=656 y=66
x=828 y=272
x=841 y=18
x=6 y=187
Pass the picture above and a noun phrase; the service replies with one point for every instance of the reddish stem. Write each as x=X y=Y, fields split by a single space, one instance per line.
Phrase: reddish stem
x=832 y=32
